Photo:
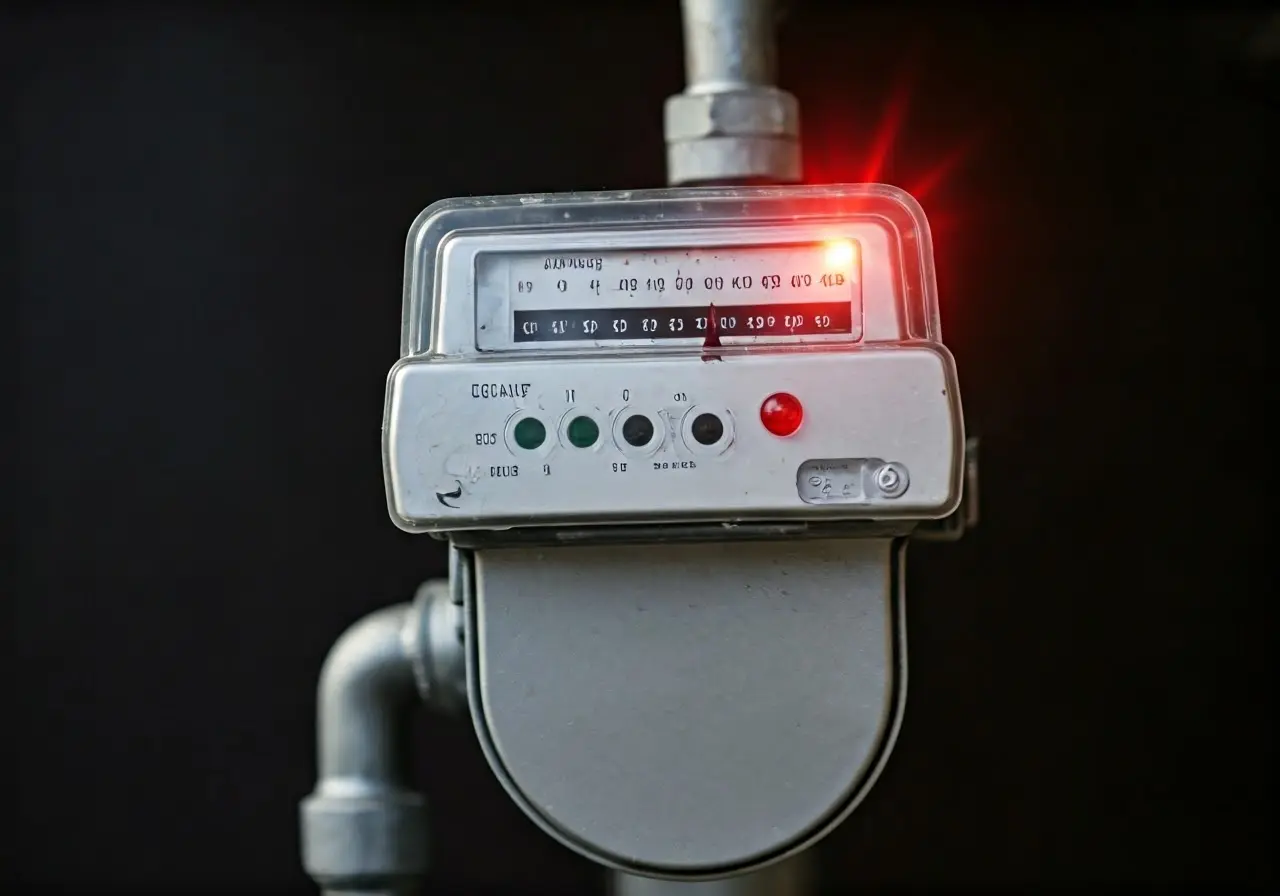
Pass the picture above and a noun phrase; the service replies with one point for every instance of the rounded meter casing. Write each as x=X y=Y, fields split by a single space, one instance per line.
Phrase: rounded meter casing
x=679 y=662
x=658 y=277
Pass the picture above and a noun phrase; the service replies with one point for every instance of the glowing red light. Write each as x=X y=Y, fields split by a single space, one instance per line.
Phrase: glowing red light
x=839 y=254
x=781 y=413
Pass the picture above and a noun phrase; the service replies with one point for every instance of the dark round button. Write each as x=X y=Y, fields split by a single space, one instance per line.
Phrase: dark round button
x=582 y=432
x=637 y=430
x=530 y=433
x=707 y=429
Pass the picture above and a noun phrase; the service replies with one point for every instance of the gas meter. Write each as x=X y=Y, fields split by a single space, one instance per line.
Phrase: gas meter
x=675 y=439
x=595 y=362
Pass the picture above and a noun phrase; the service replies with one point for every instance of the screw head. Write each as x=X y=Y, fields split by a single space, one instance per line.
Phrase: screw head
x=892 y=480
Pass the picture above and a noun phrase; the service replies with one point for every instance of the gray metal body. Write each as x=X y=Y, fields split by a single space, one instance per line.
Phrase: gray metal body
x=662 y=672
x=688 y=710
x=882 y=437
x=898 y=407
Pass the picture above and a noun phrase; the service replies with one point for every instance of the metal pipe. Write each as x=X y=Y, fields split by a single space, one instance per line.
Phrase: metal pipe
x=365 y=684
x=728 y=44
x=364 y=832
x=731 y=125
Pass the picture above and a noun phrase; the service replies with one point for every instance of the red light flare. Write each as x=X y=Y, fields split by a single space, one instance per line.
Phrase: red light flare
x=949 y=162
x=877 y=156
x=842 y=149
x=885 y=136
x=834 y=163
x=839 y=254
x=827 y=164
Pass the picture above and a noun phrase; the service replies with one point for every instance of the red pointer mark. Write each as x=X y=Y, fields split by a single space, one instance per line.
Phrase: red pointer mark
x=713 y=335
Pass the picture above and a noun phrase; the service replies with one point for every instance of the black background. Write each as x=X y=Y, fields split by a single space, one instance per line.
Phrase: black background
x=210 y=206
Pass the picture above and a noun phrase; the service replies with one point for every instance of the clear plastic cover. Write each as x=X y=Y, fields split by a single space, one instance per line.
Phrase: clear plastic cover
x=670 y=271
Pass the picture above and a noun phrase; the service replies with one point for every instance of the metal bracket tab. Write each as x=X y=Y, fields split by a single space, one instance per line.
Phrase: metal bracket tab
x=965 y=517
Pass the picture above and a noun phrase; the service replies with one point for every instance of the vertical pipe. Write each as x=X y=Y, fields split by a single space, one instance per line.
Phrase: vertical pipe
x=364 y=832
x=728 y=44
x=731 y=124
x=366 y=689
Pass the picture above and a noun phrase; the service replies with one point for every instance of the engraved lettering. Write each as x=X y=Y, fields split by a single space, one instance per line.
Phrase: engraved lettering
x=500 y=390
x=562 y=263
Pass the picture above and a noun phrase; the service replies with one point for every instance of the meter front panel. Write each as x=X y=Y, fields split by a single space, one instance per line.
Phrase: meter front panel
x=520 y=443
x=676 y=372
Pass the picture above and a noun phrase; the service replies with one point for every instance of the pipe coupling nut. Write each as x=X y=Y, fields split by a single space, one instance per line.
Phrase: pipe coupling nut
x=757 y=112
x=354 y=842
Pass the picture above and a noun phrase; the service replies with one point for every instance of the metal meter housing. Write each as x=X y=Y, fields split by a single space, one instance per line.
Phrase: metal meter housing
x=622 y=358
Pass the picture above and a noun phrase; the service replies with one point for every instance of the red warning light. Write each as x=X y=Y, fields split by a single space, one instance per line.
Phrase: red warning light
x=781 y=413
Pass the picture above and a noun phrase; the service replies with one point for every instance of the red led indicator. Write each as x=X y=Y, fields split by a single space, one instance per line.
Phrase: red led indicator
x=781 y=413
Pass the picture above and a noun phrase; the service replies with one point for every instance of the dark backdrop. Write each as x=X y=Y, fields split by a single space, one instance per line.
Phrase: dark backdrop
x=210 y=204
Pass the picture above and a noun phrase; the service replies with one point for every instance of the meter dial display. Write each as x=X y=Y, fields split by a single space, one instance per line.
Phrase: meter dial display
x=806 y=292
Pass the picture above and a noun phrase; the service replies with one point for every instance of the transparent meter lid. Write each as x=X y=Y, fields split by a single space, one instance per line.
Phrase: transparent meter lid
x=843 y=264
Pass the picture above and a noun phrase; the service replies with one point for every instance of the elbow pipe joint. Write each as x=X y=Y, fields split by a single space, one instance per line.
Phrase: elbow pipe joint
x=364 y=829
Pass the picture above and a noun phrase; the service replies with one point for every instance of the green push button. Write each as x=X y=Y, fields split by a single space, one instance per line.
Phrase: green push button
x=582 y=432
x=530 y=433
